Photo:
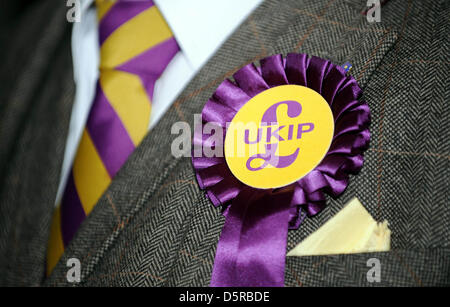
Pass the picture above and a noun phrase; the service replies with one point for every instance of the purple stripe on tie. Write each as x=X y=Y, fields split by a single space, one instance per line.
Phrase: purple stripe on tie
x=150 y=64
x=108 y=134
x=120 y=13
x=72 y=212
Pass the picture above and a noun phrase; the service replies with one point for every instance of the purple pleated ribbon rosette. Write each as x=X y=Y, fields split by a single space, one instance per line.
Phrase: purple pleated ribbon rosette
x=252 y=246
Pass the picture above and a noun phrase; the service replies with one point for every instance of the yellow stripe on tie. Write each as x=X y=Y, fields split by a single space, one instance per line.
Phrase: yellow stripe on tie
x=55 y=243
x=128 y=97
x=137 y=35
x=90 y=175
x=103 y=7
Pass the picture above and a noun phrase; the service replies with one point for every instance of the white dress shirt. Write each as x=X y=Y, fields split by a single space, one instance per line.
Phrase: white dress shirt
x=199 y=26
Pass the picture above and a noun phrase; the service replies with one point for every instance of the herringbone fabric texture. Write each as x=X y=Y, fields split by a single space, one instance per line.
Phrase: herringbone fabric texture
x=155 y=227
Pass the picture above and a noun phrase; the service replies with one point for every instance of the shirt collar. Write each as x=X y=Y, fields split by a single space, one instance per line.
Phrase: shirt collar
x=195 y=25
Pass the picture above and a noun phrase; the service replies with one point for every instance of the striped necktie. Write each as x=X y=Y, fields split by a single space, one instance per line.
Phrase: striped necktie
x=135 y=47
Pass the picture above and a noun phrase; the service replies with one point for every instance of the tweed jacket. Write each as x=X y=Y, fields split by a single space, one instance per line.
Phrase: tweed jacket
x=155 y=227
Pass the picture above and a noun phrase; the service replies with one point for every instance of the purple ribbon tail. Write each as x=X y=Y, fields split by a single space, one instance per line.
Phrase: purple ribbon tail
x=252 y=248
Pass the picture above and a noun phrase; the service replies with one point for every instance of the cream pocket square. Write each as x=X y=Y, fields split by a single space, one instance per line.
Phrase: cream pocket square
x=351 y=230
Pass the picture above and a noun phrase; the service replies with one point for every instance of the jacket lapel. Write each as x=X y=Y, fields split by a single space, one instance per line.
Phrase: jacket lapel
x=141 y=194
x=34 y=123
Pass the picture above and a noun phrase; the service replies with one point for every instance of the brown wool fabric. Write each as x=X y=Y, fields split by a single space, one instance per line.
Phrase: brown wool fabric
x=155 y=227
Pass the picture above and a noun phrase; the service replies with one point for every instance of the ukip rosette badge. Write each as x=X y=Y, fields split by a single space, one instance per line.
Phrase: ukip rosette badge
x=291 y=130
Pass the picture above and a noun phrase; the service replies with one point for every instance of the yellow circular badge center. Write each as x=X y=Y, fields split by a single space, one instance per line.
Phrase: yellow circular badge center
x=279 y=136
